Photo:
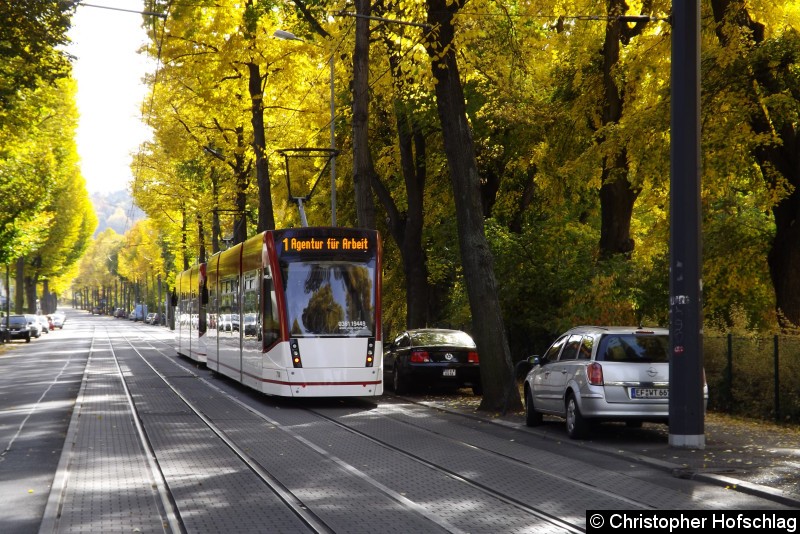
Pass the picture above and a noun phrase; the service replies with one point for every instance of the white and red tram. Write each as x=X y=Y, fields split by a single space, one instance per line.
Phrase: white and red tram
x=292 y=312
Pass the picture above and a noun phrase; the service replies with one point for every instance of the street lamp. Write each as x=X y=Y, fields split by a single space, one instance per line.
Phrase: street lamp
x=289 y=36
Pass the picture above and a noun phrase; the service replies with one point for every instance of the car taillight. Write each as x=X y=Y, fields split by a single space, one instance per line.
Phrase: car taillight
x=420 y=356
x=472 y=357
x=594 y=372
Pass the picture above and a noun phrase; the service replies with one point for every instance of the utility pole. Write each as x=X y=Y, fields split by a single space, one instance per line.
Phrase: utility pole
x=686 y=410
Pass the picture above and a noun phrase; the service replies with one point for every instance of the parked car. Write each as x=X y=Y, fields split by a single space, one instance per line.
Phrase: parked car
x=34 y=325
x=58 y=319
x=432 y=356
x=594 y=374
x=18 y=328
x=45 y=322
x=120 y=313
x=139 y=312
x=149 y=318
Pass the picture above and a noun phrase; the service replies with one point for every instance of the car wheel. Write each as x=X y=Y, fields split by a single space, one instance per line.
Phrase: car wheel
x=398 y=382
x=577 y=425
x=532 y=417
x=28 y=338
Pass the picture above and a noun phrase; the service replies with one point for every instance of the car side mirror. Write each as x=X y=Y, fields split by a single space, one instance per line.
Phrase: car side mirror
x=535 y=360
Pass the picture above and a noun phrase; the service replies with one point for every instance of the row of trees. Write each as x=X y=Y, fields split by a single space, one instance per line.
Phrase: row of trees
x=551 y=122
x=120 y=271
x=46 y=219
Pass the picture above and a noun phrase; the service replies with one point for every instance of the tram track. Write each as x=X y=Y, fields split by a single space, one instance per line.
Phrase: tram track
x=167 y=502
x=343 y=465
x=540 y=514
x=158 y=442
x=536 y=514
x=472 y=460
x=291 y=501
x=582 y=484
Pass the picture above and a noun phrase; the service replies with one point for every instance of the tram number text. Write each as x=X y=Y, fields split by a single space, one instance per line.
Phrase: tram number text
x=329 y=243
x=352 y=324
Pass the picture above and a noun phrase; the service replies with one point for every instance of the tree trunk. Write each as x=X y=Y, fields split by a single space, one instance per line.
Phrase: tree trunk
x=184 y=245
x=266 y=217
x=215 y=226
x=499 y=386
x=19 y=294
x=242 y=173
x=414 y=259
x=46 y=298
x=617 y=197
x=784 y=254
x=201 y=239
x=30 y=293
x=406 y=228
x=363 y=170
x=782 y=157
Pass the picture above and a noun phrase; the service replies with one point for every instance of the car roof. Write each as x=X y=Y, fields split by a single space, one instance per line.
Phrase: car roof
x=433 y=330
x=619 y=330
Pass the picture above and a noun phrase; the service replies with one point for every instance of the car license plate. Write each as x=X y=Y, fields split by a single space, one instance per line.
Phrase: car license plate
x=448 y=372
x=649 y=393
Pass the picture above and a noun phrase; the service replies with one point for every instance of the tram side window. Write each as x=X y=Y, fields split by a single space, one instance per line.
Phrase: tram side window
x=184 y=310
x=271 y=327
x=211 y=308
x=228 y=305
x=250 y=305
x=193 y=310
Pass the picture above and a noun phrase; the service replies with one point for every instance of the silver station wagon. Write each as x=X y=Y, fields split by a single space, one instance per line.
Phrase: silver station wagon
x=592 y=374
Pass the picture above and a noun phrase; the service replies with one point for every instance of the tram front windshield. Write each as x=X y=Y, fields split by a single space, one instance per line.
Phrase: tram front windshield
x=329 y=298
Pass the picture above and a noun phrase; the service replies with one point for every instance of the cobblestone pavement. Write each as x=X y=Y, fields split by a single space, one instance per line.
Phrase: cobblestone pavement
x=748 y=455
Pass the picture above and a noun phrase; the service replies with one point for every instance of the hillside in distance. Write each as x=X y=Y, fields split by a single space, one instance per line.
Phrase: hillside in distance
x=115 y=210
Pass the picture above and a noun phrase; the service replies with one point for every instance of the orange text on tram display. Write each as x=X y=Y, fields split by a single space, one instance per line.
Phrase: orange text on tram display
x=313 y=244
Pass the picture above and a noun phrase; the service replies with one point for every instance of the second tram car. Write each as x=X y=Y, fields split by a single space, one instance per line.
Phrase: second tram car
x=292 y=312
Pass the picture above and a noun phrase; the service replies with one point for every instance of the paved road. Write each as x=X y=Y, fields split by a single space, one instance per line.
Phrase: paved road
x=204 y=454
x=39 y=382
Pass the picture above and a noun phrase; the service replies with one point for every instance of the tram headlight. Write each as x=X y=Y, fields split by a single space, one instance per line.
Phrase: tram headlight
x=295 y=348
x=370 y=352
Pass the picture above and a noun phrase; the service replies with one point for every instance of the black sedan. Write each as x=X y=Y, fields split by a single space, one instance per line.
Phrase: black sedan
x=432 y=356
x=18 y=328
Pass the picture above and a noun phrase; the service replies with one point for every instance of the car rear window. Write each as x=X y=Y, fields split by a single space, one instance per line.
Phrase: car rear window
x=634 y=348
x=455 y=339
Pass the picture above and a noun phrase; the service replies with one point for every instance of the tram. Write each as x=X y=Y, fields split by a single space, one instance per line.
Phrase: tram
x=292 y=312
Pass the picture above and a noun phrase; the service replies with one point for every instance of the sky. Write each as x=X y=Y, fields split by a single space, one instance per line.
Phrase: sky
x=109 y=74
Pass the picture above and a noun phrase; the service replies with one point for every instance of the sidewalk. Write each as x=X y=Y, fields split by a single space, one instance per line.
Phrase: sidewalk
x=755 y=457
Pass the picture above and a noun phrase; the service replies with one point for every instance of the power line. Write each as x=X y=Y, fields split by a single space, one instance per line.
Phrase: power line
x=151 y=13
